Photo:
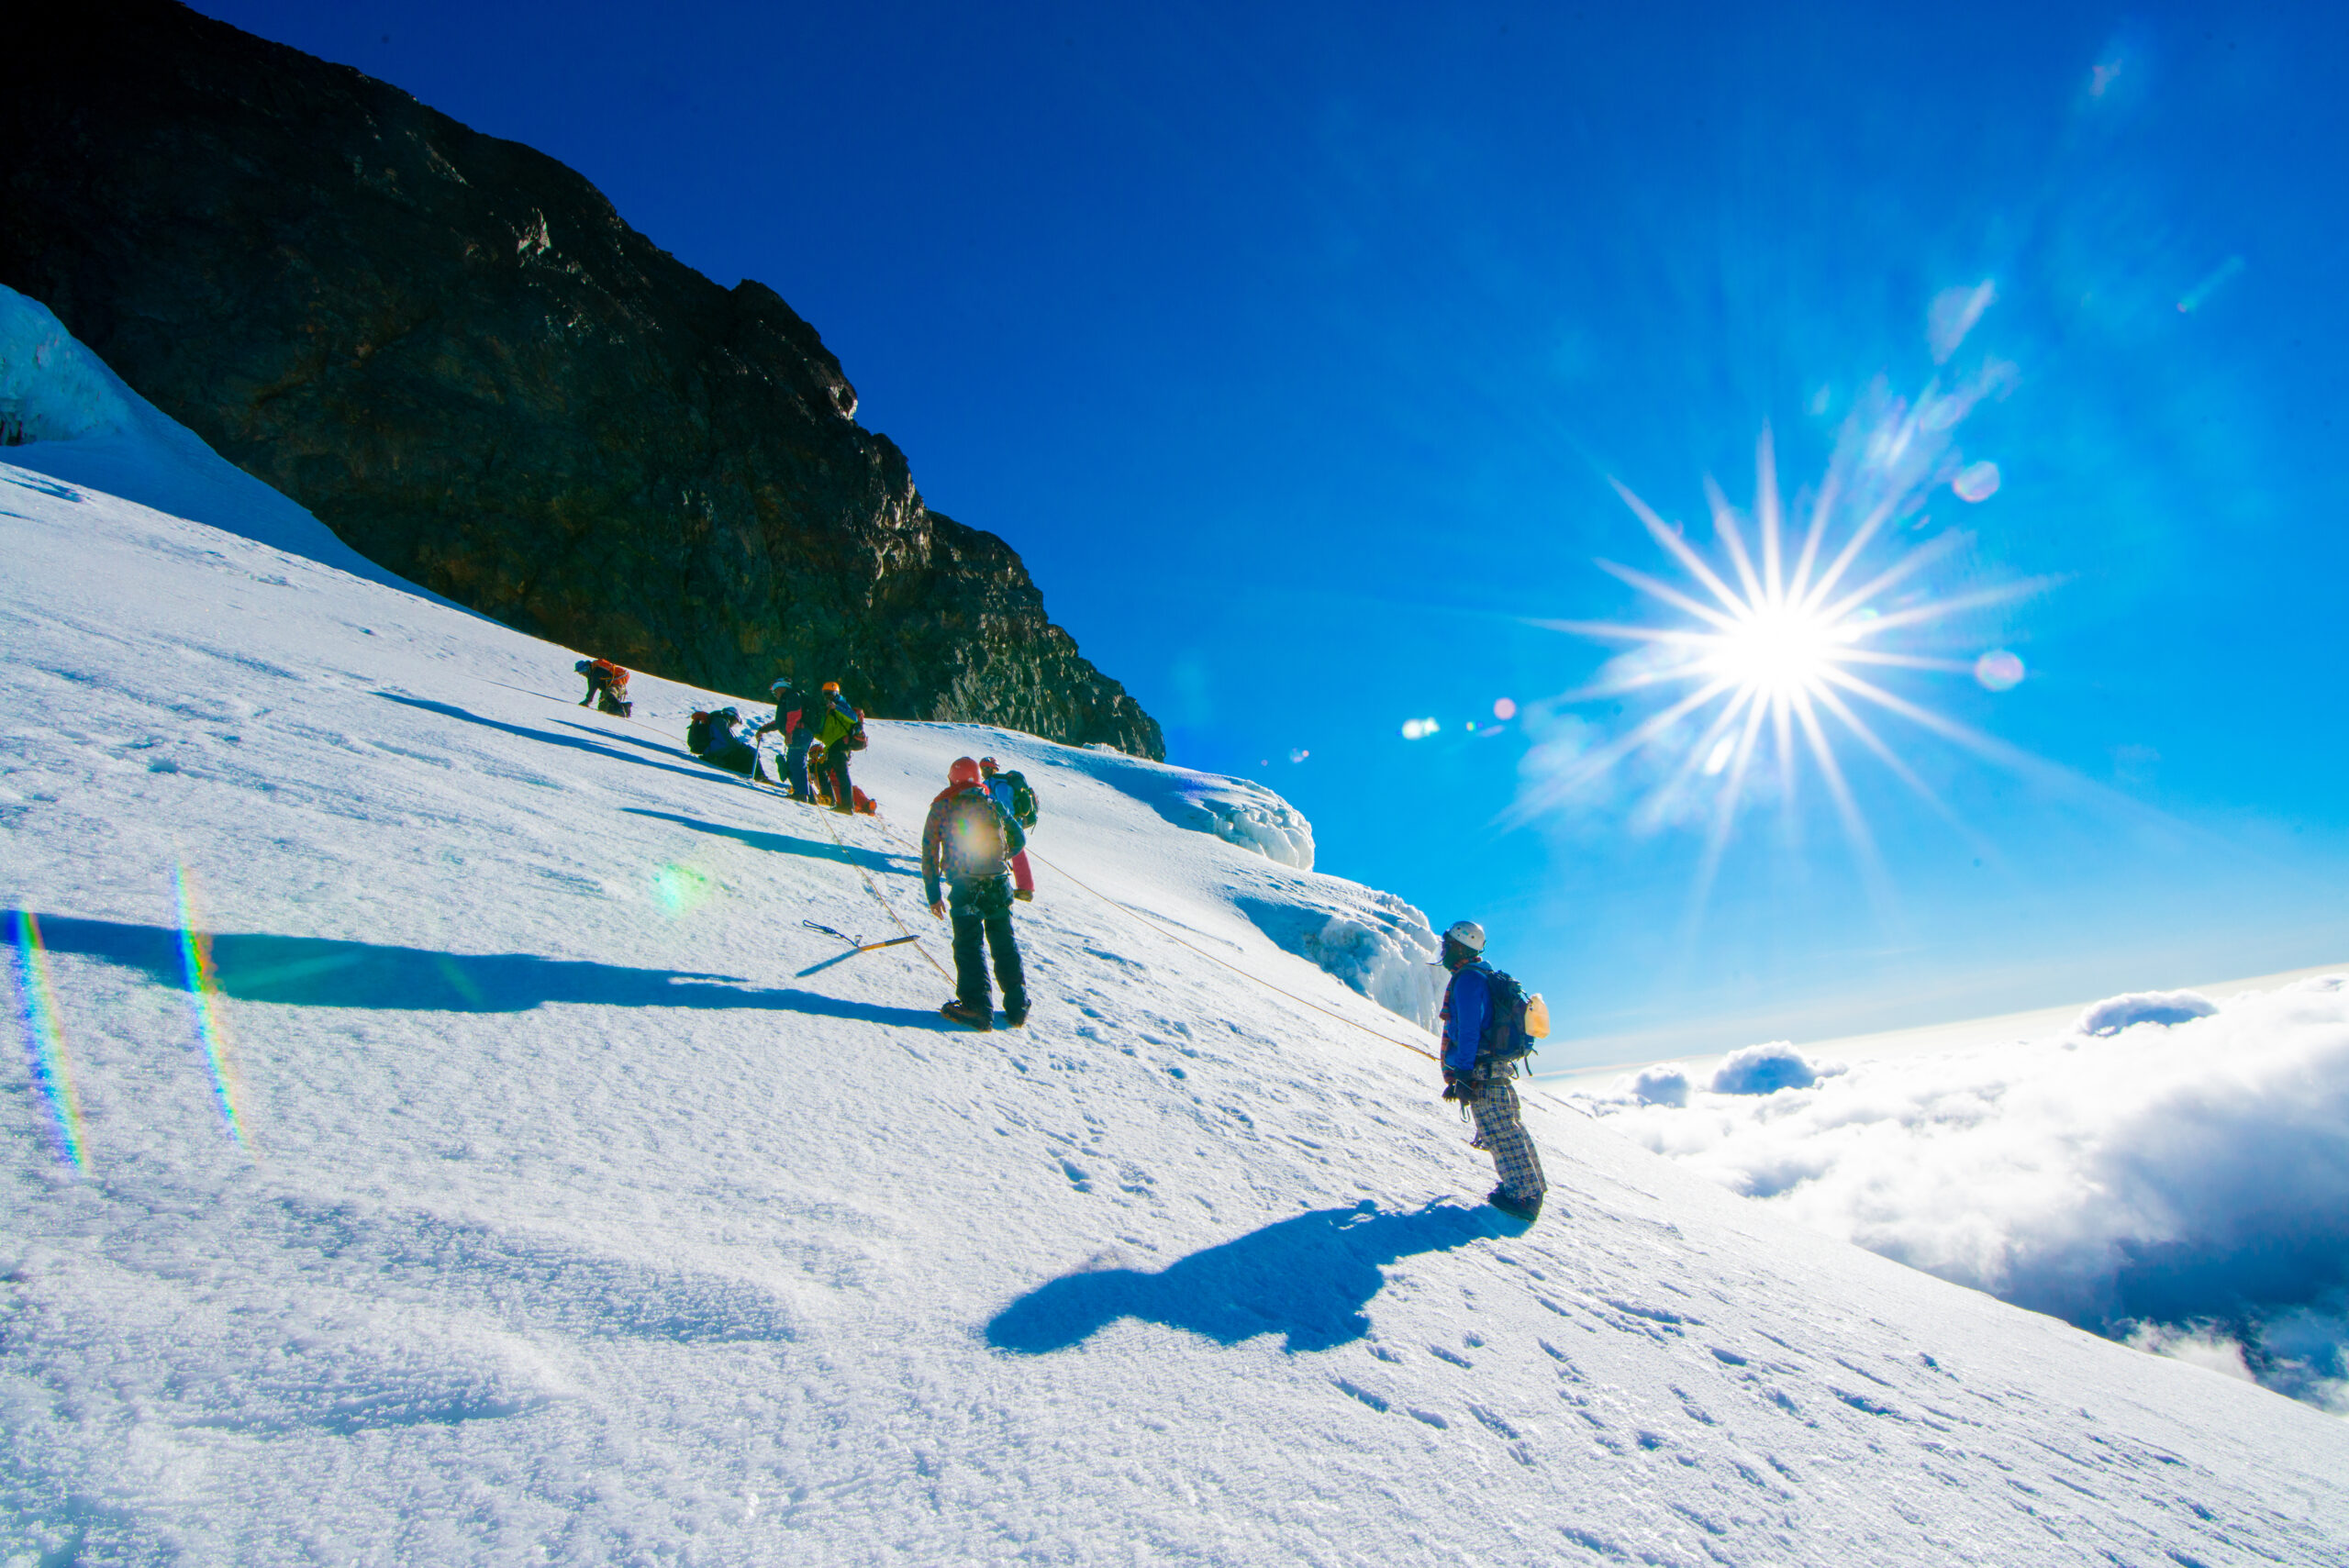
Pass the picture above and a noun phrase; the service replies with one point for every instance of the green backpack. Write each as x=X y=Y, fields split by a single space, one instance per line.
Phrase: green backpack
x=1023 y=799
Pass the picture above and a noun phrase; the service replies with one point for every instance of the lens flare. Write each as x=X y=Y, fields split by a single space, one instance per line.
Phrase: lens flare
x=204 y=992
x=1999 y=671
x=679 y=890
x=1975 y=481
x=1772 y=634
x=53 y=1069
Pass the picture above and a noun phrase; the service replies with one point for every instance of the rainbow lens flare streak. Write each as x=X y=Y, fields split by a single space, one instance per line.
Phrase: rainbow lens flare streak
x=45 y=1042
x=1767 y=644
x=204 y=991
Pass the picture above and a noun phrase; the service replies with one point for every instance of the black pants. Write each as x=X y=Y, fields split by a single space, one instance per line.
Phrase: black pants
x=983 y=909
x=831 y=774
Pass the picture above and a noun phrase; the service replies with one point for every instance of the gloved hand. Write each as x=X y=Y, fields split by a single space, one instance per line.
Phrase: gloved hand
x=1455 y=1086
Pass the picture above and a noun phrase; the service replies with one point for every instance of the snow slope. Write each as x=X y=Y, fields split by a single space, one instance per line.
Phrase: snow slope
x=560 y=1197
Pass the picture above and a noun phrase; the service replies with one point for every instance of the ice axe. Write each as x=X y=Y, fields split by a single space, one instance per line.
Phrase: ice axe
x=857 y=944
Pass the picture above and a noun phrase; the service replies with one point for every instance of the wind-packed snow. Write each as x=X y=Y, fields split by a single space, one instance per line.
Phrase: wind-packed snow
x=581 y=1205
x=2169 y=1171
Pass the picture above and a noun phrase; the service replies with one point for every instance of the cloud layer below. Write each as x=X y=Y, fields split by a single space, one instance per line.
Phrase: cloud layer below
x=2165 y=1172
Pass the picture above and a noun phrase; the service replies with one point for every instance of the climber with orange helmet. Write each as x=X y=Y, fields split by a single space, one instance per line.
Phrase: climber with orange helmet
x=838 y=729
x=966 y=845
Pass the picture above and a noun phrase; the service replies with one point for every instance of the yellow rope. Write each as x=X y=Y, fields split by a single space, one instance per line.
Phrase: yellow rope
x=1211 y=958
x=1152 y=925
x=870 y=886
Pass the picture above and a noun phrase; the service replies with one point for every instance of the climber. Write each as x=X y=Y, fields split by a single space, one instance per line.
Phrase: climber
x=968 y=843
x=710 y=737
x=1482 y=1027
x=606 y=686
x=796 y=737
x=838 y=729
x=1019 y=803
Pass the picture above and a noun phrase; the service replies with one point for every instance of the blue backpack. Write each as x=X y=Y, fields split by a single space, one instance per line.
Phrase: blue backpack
x=1507 y=1040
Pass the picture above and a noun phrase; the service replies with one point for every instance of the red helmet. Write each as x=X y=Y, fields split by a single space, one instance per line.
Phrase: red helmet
x=964 y=771
x=988 y=765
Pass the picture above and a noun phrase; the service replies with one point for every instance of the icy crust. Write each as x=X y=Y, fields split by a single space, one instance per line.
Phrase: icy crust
x=596 y=1210
x=2168 y=1171
x=51 y=388
x=65 y=414
x=1252 y=818
x=1378 y=945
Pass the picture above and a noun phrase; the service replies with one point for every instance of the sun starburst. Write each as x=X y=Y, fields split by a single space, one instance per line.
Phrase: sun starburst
x=1773 y=653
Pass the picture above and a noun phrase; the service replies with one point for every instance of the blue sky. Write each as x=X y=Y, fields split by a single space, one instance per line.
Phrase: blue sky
x=1295 y=349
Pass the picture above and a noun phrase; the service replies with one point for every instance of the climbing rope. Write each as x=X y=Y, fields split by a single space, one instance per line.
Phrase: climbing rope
x=905 y=934
x=873 y=888
x=870 y=886
x=1244 y=975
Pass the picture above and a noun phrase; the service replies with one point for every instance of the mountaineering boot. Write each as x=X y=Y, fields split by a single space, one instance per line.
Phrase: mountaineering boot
x=1516 y=1208
x=1013 y=1017
x=1026 y=896
x=979 y=1019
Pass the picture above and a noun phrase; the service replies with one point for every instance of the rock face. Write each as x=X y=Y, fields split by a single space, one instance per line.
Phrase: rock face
x=453 y=351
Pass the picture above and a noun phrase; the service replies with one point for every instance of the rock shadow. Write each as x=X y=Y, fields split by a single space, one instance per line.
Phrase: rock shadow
x=1307 y=1278
x=319 y=972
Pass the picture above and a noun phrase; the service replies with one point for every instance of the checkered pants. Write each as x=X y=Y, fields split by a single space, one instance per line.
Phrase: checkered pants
x=1502 y=1135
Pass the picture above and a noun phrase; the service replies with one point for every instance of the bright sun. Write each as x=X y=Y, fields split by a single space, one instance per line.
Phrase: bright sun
x=1780 y=648
x=1769 y=645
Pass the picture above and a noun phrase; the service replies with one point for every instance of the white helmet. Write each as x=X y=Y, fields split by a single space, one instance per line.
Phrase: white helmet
x=779 y=688
x=1468 y=934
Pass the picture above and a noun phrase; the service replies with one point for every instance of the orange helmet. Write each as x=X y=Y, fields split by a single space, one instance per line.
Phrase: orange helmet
x=831 y=685
x=964 y=771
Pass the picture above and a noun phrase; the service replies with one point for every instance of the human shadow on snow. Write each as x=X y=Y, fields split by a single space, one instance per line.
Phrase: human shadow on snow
x=319 y=972
x=1307 y=1278
x=542 y=737
x=783 y=843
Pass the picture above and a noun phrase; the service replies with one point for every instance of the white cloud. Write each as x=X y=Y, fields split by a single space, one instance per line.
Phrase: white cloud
x=2167 y=1170
x=2116 y=1013
x=1767 y=1068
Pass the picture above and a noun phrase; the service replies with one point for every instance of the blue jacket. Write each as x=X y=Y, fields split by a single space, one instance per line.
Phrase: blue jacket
x=1467 y=1001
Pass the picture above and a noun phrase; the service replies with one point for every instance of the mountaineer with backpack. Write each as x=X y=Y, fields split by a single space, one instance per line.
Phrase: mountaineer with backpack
x=1019 y=803
x=838 y=729
x=606 y=686
x=1489 y=1025
x=797 y=734
x=967 y=843
x=710 y=737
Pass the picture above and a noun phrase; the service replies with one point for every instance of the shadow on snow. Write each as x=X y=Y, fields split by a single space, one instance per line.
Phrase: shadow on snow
x=1309 y=1278
x=783 y=843
x=319 y=972
x=546 y=739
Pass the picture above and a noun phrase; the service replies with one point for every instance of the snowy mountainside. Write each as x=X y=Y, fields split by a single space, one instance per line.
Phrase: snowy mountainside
x=513 y=1177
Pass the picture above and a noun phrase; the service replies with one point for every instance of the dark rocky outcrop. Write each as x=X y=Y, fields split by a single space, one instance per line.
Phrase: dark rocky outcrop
x=453 y=351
